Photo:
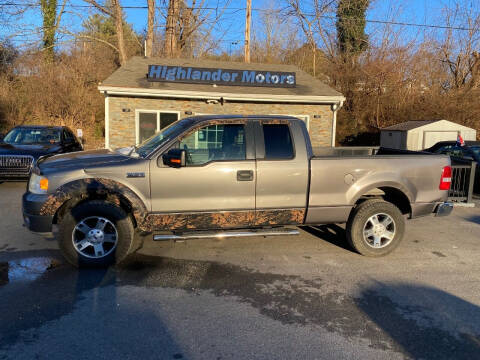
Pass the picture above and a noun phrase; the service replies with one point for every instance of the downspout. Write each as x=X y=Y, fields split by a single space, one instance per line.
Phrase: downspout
x=107 y=122
x=335 y=107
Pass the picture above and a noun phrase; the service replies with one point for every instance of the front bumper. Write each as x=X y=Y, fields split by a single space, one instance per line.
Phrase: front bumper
x=33 y=220
x=443 y=209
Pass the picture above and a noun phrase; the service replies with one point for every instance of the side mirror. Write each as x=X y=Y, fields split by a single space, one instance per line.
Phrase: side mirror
x=174 y=158
x=1 y=137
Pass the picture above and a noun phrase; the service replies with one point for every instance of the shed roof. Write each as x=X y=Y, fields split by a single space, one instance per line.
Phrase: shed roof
x=131 y=78
x=409 y=125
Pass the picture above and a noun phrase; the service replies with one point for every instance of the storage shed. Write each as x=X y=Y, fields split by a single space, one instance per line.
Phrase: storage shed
x=419 y=135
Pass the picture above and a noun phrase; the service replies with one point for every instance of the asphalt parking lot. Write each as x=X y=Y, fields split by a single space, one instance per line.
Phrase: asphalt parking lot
x=303 y=297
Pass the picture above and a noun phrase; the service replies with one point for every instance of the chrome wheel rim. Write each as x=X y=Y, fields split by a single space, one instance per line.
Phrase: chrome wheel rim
x=95 y=237
x=379 y=230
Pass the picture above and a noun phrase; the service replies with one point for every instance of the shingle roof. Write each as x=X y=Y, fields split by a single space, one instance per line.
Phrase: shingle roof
x=409 y=125
x=133 y=75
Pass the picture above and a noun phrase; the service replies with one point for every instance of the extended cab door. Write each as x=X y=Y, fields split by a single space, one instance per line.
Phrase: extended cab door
x=282 y=172
x=216 y=188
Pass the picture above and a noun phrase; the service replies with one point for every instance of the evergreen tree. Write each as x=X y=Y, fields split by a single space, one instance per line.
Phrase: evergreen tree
x=351 y=36
x=49 y=14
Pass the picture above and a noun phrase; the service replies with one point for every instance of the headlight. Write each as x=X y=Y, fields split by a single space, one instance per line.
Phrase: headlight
x=38 y=184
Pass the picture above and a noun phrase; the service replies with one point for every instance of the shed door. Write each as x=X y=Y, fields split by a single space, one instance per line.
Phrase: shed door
x=430 y=138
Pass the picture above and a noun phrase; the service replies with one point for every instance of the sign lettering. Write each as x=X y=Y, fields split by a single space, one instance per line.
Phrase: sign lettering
x=194 y=75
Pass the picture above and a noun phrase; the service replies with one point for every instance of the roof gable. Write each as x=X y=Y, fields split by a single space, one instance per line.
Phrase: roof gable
x=409 y=125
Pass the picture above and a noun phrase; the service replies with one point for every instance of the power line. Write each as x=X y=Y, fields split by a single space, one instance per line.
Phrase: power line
x=373 y=21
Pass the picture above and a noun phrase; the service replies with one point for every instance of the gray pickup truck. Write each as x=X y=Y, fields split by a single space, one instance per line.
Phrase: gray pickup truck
x=221 y=176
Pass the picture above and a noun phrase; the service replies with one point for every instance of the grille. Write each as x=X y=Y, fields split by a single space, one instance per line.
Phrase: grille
x=15 y=165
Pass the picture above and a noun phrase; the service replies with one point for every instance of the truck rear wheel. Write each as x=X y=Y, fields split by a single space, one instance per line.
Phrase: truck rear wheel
x=375 y=228
x=95 y=233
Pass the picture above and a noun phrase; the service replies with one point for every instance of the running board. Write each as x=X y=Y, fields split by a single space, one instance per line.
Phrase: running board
x=225 y=234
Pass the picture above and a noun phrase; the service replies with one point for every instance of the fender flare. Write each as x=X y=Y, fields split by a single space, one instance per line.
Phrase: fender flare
x=390 y=184
x=83 y=189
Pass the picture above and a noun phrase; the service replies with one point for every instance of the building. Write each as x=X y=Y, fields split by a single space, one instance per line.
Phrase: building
x=147 y=94
x=419 y=135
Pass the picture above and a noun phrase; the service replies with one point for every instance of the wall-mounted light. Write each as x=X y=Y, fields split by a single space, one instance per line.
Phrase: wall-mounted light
x=126 y=110
x=334 y=107
x=188 y=113
x=317 y=116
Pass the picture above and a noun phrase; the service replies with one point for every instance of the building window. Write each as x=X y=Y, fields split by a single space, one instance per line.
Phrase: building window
x=149 y=122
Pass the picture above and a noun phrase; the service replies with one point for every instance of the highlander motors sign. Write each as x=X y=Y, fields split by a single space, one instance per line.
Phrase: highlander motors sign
x=217 y=76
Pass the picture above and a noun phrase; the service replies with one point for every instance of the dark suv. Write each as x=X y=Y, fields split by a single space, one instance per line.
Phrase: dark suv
x=22 y=145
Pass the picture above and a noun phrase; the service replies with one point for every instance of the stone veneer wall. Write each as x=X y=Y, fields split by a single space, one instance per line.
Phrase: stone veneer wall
x=122 y=124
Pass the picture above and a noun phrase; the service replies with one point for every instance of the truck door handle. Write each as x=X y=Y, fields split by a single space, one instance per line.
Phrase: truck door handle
x=244 y=175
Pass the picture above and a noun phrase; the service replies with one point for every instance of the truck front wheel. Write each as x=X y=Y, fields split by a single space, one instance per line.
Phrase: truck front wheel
x=375 y=227
x=95 y=233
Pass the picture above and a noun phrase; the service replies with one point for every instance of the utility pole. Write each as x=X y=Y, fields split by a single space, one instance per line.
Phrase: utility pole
x=248 y=20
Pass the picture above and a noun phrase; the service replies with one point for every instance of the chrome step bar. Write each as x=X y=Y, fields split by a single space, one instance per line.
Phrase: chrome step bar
x=225 y=234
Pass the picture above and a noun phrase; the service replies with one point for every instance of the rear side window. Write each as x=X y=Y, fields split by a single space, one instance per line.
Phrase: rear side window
x=68 y=135
x=278 y=141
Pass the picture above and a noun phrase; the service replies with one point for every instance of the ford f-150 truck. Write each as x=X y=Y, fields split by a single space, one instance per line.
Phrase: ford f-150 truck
x=224 y=176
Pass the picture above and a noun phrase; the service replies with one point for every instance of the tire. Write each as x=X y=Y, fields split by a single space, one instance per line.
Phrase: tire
x=364 y=232
x=83 y=245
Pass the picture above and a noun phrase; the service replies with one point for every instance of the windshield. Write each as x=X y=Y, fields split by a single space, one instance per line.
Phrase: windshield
x=26 y=136
x=166 y=134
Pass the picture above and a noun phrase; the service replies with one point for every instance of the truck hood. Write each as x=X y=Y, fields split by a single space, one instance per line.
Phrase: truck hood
x=34 y=150
x=81 y=160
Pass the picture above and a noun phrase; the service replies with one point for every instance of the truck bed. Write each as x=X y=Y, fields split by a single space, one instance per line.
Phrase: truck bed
x=340 y=176
x=361 y=151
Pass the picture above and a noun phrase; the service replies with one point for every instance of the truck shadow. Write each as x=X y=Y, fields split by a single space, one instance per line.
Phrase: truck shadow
x=38 y=288
x=411 y=319
x=422 y=321
x=332 y=233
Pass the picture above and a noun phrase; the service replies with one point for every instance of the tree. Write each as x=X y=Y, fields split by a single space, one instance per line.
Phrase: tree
x=189 y=26
x=351 y=22
x=50 y=25
x=116 y=13
x=458 y=52
x=8 y=54
x=99 y=35
x=170 y=48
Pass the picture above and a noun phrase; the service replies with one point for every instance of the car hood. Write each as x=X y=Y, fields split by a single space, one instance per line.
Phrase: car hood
x=81 y=160
x=34 y=150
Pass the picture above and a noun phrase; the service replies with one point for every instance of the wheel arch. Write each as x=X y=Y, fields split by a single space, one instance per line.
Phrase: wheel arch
x=389 y=193
x=73 y=193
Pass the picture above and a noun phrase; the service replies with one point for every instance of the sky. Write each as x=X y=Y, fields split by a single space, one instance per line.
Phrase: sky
x=232 y=26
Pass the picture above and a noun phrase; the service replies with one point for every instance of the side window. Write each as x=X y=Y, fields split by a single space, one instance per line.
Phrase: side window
x=444 y=149
x=214 y=143
x=67 y=135
x=278 y=141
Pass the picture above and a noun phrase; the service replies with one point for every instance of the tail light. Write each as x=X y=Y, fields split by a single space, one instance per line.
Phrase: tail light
x=446 y=179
